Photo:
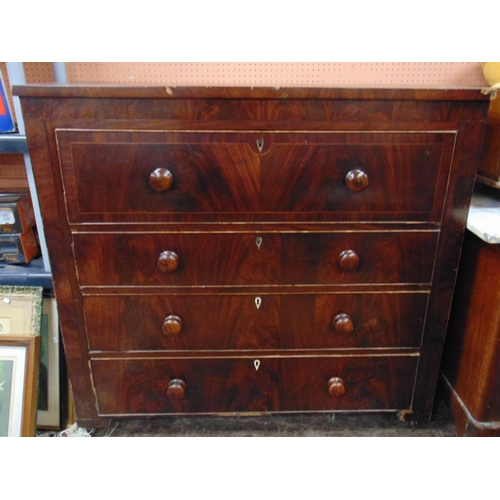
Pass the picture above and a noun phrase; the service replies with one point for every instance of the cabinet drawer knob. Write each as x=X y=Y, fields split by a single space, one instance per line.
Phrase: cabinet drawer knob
x=342 y=323
x=336 y=387
x=161 y=179
x=172 y=325
x=348 y=260
x=176 y=389
x=356 y=180
x=168 y=261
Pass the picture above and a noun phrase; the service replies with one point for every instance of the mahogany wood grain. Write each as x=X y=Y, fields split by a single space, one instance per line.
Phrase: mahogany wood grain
x=461 y=185
x=51 y=200
x=227 y=385
x=140 y=386
x=407 y=173
x=214 y=172
x=116 y=91
x=419 y=149
x=471 y=359
x=379 y=383
x=233 y=322
x=235 y=259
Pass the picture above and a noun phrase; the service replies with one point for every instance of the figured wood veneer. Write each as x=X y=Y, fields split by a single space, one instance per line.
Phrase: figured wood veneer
x=224 y=172
x=233 y=322
x=266 y=189
x=140 y=386
x=234 y=258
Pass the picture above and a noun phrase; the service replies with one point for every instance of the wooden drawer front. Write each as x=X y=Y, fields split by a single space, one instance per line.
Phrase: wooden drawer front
x=214 y=172
x=212 y=386
x=234 y=322
x=365 y=173
x=253 y=259
x=207 y=176
x=356 y=383
x=141 y=386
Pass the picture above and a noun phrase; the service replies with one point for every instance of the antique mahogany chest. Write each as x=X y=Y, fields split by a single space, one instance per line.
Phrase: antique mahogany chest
x=253 y=250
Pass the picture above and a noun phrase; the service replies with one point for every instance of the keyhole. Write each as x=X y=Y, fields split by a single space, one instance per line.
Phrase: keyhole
x=260 y=145
x=256 y=363
x=258 y=242
x=258 y=302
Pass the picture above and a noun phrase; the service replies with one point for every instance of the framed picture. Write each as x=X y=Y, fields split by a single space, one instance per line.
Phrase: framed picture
x=19 y=359
x=20 y=310
x=49 y=403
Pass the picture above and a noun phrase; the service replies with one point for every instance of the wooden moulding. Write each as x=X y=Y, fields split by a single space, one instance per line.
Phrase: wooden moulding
x=171 y=92
x=465 y=423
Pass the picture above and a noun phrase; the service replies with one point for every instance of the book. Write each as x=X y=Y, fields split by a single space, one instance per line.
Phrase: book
x=7 y=124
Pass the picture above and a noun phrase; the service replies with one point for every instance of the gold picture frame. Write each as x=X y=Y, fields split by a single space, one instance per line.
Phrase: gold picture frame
x=20 y=310
x=49 y=397
x=19 y=363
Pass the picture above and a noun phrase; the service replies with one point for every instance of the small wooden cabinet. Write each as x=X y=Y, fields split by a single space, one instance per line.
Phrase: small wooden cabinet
x=245 y=251
x=471 y=359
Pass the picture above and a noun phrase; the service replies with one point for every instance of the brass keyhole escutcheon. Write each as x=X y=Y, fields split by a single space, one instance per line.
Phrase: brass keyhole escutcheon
x=258 y=242
x=258 y=302
x=260 y=144
x=256 y=363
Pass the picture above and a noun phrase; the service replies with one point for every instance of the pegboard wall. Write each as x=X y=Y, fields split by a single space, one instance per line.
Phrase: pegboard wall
x=268 y=74
x=402 y=74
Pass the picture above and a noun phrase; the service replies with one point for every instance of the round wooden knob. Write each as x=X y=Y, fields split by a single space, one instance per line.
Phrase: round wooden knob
x=348 y=260
x=342 y=323
x=336 y=387
x=176 y=389
x=356 y=180
x=161 y=179
x=168 y=261
x=172 y=325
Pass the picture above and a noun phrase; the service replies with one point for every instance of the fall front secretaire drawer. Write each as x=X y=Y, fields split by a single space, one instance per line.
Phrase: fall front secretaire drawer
x=205 y=175
x=220 y=259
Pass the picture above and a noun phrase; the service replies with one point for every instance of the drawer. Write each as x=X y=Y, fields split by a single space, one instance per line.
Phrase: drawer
x=227 y=385
x=202 y=173
x=204 y=259
x=234 y=322
x=346 y=383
